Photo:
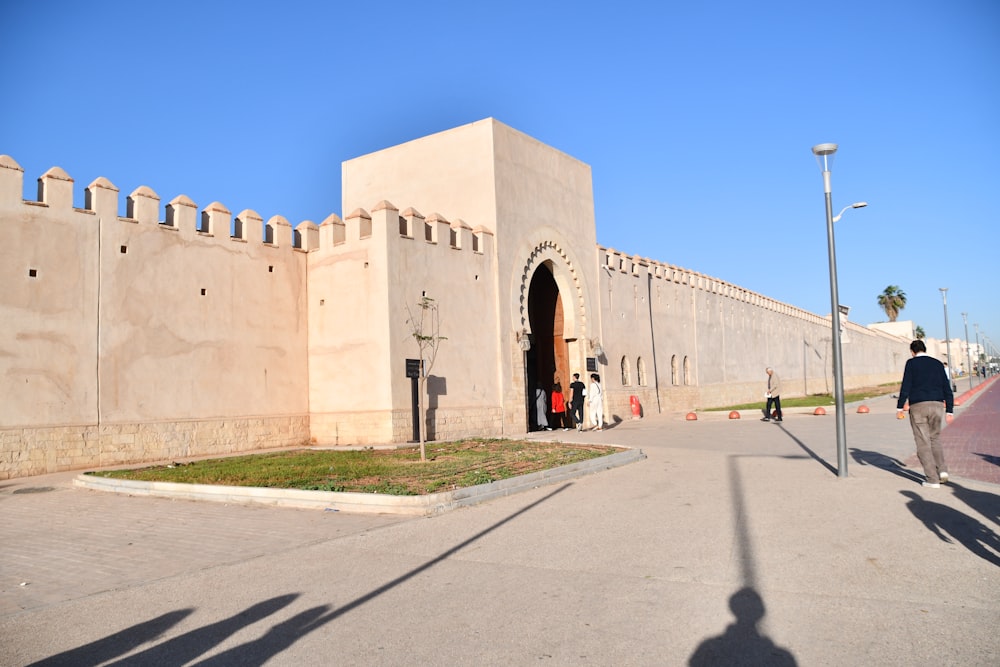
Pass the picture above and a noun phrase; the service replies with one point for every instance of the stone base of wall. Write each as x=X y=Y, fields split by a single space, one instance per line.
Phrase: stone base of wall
x=39 y=451
x=390 y=426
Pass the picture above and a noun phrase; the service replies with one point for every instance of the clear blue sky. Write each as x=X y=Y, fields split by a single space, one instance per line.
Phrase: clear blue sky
x=697 y=119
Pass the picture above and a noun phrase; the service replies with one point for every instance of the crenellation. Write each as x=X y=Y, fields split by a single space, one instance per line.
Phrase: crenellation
x=332 y=232
x=181 y=214
x=433 y=224
x=11 y=182
x=410 y=222
x=482 y=240
x=306 y=236
x=143 y=205
x=248 y=226
x=101 y=197
x=461 y=234
x=278 y=232
x=55 y=189
x=358 y=224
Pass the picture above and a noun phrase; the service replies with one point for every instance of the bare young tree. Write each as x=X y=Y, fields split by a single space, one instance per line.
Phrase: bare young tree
x=426 y=330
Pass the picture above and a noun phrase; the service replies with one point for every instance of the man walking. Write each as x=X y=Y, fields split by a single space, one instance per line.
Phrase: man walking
x=927 y=387
x=773 y=395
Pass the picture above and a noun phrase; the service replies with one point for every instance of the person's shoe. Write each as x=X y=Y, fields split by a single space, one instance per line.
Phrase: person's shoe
x=779 y=419
x=943 y=476
x=930 y=485
x=766 y=419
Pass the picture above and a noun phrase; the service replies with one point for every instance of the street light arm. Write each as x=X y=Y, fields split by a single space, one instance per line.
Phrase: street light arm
x=859 y=204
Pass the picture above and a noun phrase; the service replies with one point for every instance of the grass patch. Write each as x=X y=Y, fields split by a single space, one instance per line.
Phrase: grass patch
x=398 y=472
x=815 y=400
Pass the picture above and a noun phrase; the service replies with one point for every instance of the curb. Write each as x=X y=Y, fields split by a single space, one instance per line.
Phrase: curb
x=360 y=503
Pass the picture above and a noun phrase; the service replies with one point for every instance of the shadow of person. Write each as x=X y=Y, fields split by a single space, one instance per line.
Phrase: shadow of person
x=989 y=458
x=742 y=643
x=888 y=463
x=186 y=647
x=119 y=643
x=984 y=502
x=944 y=521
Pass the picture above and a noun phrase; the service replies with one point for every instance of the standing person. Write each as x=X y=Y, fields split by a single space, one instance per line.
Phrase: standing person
x=541 y=407
x=579 y=393
x=926 y=385
x=595 y=401
x=559 y=416
x=773 y=395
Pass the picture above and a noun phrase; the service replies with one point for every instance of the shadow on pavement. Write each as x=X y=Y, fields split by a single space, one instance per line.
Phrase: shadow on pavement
x=184 y=648
x=989 y=458
x=944 y=521
x=805 y=448
x=742 y=642
x=984 y=502
x=120 y=643
x=879 y=460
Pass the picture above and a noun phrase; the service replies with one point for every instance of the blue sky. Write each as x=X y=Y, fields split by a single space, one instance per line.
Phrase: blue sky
x=697 y=119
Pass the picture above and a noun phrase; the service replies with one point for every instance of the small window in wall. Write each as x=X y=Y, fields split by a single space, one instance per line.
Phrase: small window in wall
x=626 y=372
x=640 y=369
x=687 y=371
x=674 y=375
x=32 y=273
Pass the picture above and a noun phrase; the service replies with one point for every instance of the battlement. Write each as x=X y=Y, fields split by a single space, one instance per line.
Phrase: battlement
x=142 y=206
x=637 y=266
x=386 y=221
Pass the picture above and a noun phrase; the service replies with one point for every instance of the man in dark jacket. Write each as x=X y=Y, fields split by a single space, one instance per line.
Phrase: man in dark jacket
x=927 y=387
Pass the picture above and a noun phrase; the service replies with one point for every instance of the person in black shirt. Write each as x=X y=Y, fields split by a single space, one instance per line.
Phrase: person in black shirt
x=928 y=389
x=576 y=404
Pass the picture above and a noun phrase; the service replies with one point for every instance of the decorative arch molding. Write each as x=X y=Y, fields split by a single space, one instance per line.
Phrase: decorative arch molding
x=568 y=280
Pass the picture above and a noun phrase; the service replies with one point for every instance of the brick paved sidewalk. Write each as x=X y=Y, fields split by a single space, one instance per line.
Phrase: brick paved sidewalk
x=971 y=442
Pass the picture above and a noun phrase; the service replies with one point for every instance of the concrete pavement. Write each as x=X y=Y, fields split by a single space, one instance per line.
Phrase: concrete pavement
x=732 y=541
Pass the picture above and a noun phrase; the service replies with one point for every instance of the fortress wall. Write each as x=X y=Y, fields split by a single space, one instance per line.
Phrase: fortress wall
x=727 y=334
x=156 y=340
x=362 y=356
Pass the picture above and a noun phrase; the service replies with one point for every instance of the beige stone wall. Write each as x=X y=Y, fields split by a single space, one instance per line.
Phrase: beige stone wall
x=35 y=451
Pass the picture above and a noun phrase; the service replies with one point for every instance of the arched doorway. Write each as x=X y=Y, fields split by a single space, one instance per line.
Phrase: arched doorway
x=547 y=362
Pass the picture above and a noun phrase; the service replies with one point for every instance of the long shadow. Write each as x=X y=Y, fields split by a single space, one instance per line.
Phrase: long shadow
x=944 y=521
x=984 y=502
x=112 y=646
x=888 y=463
x=813 y=455
x=742 y=642
x=989 y=458
x=184 y=648
x=283 y=635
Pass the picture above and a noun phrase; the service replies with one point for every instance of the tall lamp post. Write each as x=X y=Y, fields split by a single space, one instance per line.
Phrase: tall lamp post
x=824 y=157
x=947 y=336
x=968 y=352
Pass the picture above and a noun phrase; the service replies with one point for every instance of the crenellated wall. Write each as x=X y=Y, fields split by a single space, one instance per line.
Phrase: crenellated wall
x=139 y=337
x=359 y=392
x=174 y=331
x=712 y=340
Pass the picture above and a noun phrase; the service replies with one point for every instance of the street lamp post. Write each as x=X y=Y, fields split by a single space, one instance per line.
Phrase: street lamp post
x=824 y=156
x=968 y=352
x=947 y=336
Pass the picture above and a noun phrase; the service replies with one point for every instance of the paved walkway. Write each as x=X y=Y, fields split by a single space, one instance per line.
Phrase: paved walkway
x=732 y=540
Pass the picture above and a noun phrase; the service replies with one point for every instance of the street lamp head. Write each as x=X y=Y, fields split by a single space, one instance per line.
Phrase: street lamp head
x=824 y=155
x=860 y=204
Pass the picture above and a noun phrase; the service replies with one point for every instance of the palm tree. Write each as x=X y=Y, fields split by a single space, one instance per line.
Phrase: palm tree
x=920 y=332
x=892 y=300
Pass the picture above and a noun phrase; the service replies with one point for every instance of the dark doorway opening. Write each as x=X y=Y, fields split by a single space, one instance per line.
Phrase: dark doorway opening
x=547 y=362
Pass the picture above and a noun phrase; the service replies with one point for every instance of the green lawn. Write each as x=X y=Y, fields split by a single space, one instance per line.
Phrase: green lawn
x=449 y=465
x=818 y=399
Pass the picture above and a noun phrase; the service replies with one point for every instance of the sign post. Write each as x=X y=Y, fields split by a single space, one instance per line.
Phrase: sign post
x=413 y=372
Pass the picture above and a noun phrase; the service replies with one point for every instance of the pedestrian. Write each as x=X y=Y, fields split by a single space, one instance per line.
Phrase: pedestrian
x=773 y=396
x=579 y=392
x=541 y=407
x=928 y=389
x=559 y=417
x=595 y=401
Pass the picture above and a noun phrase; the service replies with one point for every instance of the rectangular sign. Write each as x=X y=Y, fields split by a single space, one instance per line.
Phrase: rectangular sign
x=591 y=364
x=412 y=368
